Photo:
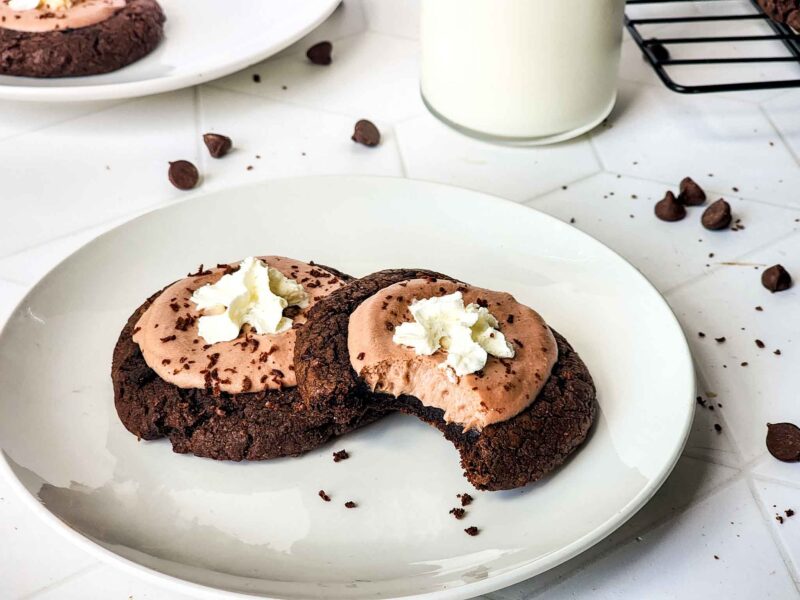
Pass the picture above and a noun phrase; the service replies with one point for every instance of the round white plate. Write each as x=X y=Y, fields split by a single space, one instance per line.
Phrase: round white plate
x=203 y=40
x=260 y=528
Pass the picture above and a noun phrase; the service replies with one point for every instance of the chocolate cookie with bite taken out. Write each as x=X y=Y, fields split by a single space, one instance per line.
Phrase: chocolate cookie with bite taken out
x=70 y=38
x=228 y=400
x=515 y=419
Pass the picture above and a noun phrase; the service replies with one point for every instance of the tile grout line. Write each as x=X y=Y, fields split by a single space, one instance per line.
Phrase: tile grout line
x=400 y=156
x=786 y=556
x=777 y=130
x=738 y=258
x=56 y=584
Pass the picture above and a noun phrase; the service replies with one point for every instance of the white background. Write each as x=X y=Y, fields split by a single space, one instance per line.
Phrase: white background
x=70 y=172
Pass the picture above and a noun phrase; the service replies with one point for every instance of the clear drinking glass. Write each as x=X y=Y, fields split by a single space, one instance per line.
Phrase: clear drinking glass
x=521 y=71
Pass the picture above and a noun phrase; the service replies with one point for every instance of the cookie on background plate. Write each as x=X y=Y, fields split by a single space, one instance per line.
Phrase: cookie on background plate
x=226 y=399
x=515 y=403
x=70 y=38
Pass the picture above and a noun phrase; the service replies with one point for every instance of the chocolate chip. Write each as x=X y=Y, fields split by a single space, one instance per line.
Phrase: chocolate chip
x=366 y=133
x=218 y=145
x=783 y=441
x=183 y=174
x=789 y=512
x=324 y=496
x=340 y=455
x=720 y=340
x=717 y=216
x=691 y=194
x=776 y=279
x=760 y=344
x=473 y=531
x=320 y=54
x=669 y=209
x=350 y=504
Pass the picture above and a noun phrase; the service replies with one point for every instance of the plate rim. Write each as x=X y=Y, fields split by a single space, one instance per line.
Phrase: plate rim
x=158 y=85
x=462 y=592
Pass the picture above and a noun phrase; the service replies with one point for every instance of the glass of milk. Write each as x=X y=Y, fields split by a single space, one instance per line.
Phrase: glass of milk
x=521 y=71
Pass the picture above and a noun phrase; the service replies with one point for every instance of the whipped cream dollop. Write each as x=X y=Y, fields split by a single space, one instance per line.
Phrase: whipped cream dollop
x=468 y=334
x=255 y=294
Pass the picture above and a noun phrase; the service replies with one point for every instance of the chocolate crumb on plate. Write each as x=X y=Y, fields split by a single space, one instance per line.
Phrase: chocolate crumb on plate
x=789 y=512
x=779 y=519
x=701 y=334
x=776 y=279
x=218 y=145
x=717 y=216
x=340 y=455
x=324 y=496
x=473 y=531
x=466 y=499
x=320 y=54
x=691 y=194
x=350 y=504
x=783 y=441
x=720 y=340
x=366 y=133
x=760 y=344
x=458 y=513
x=183 y=174
x=669 y=209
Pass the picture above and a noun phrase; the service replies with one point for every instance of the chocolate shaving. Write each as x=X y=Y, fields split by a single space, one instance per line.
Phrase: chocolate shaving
x=169 y=338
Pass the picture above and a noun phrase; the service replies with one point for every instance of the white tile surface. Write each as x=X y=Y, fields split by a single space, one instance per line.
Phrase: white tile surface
x=372 y=76
x=784 y=112
x=58 y=194
x=432 y=151
x=778 y=503
x=97 y=167
x=289 y=140
x=619 y=212
x=655 y=134
x=676 y=560
x=721 y=305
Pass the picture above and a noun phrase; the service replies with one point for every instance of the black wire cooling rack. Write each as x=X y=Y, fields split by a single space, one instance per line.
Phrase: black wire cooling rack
x=656 y=49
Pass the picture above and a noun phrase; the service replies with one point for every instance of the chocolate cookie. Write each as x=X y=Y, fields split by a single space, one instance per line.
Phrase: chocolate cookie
x=503 y=455
x=222 y=426
x=127 y=35
x=783 y=11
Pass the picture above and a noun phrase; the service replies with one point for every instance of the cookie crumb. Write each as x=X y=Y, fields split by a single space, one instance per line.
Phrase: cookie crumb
x=458 y=513
x=466 y=499
x=473 y=531
x=350 y=504
x=324 y=496
x=340 y=455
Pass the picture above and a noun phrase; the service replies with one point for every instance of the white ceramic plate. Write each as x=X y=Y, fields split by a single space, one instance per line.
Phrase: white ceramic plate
x=260 y=528
x=204 y=40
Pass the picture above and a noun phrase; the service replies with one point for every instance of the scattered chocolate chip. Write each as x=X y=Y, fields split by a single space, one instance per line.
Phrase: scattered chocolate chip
x=701 y=334
x=324 y=496
x=720 y=340
x=366 y=133
x=256 y=78
x=466 y=499
x=717 y=216
x=218 y=145
x=458 y=513
x=760 y=308
x=350 y=504
x=669 y=209
x=783 y=441
x=789 y=512
x=473 y=531
x=340 y=455
x=779 y=519
x=759 y=343
x=320 y=54
x=717 y=427
x=745 y=363
x=691 y=194
x=716 y=557
x=183 y=174
x=776 y=279
x=777 y=353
